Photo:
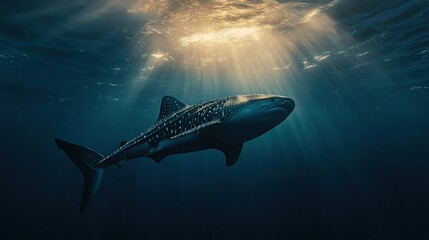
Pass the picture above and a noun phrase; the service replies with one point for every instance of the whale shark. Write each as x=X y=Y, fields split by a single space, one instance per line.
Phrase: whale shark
x=223 y=124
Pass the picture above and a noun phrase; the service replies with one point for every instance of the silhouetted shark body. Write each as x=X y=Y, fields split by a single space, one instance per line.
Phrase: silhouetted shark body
x=223 y=124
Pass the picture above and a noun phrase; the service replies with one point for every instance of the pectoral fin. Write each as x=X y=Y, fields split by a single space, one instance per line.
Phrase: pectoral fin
x=232 y=153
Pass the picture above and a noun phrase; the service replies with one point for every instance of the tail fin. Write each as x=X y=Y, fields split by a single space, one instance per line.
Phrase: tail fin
x=85 y=159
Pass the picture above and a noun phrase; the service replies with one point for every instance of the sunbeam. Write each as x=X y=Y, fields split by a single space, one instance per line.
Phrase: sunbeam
x=247 y=45
x=244 y=119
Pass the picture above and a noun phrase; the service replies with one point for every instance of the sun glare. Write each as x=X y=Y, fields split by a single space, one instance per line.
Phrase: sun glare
x=224 y=36
x=251 y=44
x=157 y=55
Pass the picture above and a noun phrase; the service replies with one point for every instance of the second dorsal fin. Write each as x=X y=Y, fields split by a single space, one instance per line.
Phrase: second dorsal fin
x=122 y=143
x=169 y=105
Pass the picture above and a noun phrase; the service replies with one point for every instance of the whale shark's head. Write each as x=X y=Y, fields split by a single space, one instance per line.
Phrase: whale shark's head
x=256 y=114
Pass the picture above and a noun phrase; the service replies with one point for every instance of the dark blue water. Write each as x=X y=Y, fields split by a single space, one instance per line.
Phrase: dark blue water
x=351 y=162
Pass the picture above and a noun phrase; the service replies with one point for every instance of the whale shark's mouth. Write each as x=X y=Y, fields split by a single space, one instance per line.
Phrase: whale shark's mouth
x=288 y=105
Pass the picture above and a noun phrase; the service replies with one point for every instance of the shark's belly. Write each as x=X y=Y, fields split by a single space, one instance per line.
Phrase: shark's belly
x=138 y=150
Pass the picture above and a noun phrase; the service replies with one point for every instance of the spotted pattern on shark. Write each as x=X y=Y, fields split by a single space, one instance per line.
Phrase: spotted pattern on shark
x=177 y=119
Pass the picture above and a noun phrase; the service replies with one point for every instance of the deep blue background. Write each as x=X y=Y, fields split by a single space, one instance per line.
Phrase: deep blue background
x=351 y=162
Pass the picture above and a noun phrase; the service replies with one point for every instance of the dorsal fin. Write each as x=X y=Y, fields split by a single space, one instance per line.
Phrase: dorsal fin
x=169 y=105
x=122 y=143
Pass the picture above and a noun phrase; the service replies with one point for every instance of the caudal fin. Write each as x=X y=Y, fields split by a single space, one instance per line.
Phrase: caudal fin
x=85 y=159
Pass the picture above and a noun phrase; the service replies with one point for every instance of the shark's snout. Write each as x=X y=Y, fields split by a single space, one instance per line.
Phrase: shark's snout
x=288 y=104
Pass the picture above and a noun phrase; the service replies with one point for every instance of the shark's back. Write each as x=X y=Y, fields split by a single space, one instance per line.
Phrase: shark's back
x=177 y=119
x=186 y=120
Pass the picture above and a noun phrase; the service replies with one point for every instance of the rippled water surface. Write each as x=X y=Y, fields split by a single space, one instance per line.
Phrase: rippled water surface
x=351 y=162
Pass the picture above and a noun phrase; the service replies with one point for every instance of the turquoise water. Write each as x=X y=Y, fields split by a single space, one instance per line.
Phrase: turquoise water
x=351 y=161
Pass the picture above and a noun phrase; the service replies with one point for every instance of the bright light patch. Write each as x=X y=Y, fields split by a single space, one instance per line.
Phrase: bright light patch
x=309 y=17
x=245 y=46
x=224 y=36
x=320 y=58
x=157 y=55
x=241 y=99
